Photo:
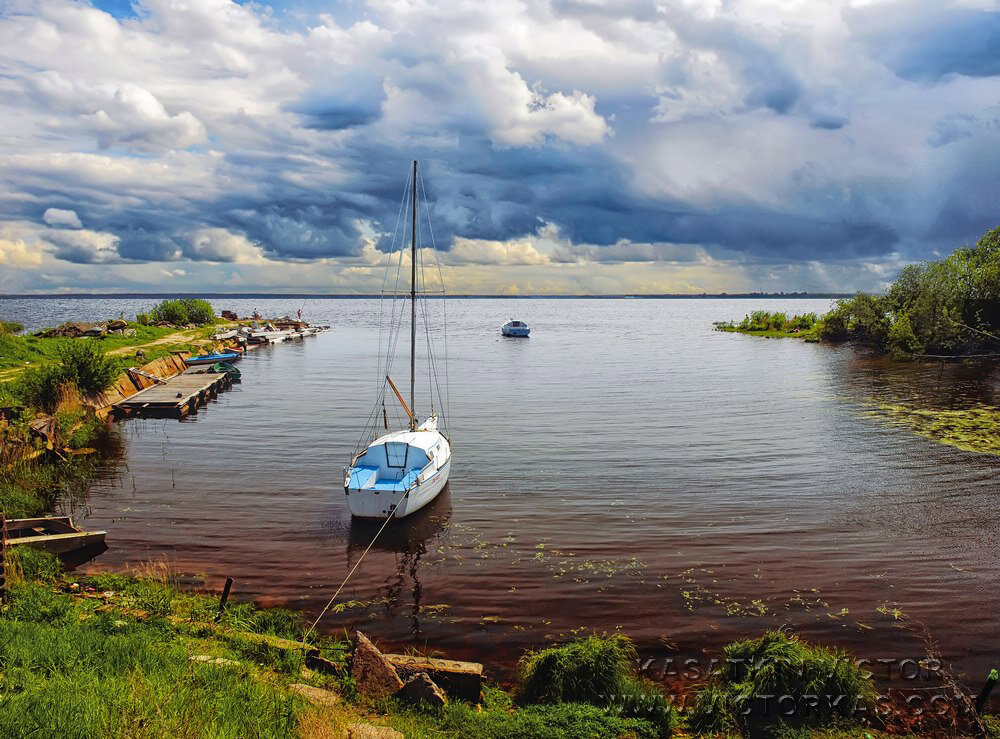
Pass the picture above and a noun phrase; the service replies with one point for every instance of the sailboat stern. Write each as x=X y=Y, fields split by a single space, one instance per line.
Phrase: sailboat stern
x=398 y=474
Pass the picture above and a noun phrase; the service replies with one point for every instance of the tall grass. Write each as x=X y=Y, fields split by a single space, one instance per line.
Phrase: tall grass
x=779 y=679
x=112 y=677
x=28 y=489
x=596 y=670
x=762 y=320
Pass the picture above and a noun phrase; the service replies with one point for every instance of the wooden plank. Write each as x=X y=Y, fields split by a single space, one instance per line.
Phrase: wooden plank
x=58 y=543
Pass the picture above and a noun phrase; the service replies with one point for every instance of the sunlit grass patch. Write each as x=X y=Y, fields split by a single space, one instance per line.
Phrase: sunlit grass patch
x=776 y=325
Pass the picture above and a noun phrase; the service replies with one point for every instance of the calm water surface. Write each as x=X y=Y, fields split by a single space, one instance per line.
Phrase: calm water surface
x=626 y=468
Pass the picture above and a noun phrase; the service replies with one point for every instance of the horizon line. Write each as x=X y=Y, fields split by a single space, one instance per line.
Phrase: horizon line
x=461 y=296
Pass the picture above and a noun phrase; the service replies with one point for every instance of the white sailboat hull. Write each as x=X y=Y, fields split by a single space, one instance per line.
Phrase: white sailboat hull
x=398 y=473
x=398 y=504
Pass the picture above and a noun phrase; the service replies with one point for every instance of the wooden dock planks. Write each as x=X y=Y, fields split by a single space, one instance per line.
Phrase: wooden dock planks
x=178 y=396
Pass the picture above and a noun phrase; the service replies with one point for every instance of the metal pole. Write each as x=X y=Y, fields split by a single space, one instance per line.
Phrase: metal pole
x=413 y=304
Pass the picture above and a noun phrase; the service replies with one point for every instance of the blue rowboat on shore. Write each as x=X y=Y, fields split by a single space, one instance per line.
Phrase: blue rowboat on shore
x=211 y=358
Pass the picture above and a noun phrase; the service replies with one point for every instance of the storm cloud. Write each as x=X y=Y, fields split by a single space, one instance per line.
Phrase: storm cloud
x=237 y=139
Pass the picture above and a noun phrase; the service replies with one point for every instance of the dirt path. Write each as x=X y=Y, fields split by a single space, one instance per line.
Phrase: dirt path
x=178 y=337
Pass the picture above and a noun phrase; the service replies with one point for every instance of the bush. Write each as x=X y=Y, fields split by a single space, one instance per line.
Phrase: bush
x=10 y=327
x=82 y=365
x=590 y=670
x=181 y=312
x=950 y=306
x=777 y=667
x=598 y=671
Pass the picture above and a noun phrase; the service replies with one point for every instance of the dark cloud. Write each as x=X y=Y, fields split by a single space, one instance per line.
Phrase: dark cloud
x=300 y=175
x=354 y=102
x=929 y=40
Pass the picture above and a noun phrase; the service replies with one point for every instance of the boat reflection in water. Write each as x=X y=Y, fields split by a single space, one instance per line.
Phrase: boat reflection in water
x=408 y=539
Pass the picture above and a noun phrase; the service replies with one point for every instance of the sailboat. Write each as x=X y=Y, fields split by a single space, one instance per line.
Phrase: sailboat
x=400 y=472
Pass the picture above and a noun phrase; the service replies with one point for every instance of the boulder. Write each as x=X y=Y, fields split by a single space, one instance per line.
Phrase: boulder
x=420 y=689
x=373 y=674
x=316 y=696
x=119 y=324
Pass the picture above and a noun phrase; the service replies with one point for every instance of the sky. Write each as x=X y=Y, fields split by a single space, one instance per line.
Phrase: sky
x=566 y=146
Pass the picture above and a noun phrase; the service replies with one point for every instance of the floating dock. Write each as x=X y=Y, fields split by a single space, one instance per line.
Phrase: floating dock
x=176 y=396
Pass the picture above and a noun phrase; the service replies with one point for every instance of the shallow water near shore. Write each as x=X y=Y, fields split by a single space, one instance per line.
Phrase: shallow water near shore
x=626 y=468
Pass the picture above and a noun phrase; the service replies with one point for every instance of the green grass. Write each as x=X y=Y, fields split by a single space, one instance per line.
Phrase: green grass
x=120 y=665
x=776 y=325
x=75 y=674
x=596 y=670
x=558 y=721
x=780 y=665
x=17 y=351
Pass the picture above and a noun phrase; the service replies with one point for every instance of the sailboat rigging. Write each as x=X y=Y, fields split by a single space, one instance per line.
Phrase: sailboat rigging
x=402 y=471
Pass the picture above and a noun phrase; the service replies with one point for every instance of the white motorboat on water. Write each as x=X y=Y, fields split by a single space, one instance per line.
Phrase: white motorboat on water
x=515 y=328
x=397 y=472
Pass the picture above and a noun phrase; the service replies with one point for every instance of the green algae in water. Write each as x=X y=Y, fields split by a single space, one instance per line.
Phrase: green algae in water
x=975 y=429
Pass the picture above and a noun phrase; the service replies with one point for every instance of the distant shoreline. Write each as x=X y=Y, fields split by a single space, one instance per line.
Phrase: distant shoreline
x=351 y=296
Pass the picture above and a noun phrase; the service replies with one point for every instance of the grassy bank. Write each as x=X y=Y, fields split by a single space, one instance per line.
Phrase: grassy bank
x=117 y=655
x=21 y=353
x=776 y=325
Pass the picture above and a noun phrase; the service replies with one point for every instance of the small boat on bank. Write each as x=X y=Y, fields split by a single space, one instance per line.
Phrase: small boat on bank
x=54 y=534
x=400 y=472
x=211 y=359
x=515 y=328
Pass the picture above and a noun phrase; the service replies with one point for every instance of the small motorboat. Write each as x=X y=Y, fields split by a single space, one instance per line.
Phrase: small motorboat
x=515 y=328
x=234 y=374
x=211 y=359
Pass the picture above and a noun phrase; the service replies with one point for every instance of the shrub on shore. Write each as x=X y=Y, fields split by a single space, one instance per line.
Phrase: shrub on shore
x=598 y=671
x=10 y=327
x=180 y=312
x=945 y=306
x=83 y=367
x=815 y=685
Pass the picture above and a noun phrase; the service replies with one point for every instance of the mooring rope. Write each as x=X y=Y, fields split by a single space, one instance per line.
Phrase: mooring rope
x=326 y=608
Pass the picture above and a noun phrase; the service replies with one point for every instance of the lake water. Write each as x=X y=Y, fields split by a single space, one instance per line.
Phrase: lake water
x=626 y=468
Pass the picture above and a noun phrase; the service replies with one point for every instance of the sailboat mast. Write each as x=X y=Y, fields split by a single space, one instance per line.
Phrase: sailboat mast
x=413 y=304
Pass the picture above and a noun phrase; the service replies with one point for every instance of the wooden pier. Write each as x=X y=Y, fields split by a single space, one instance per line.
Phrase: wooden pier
x=176 y=396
